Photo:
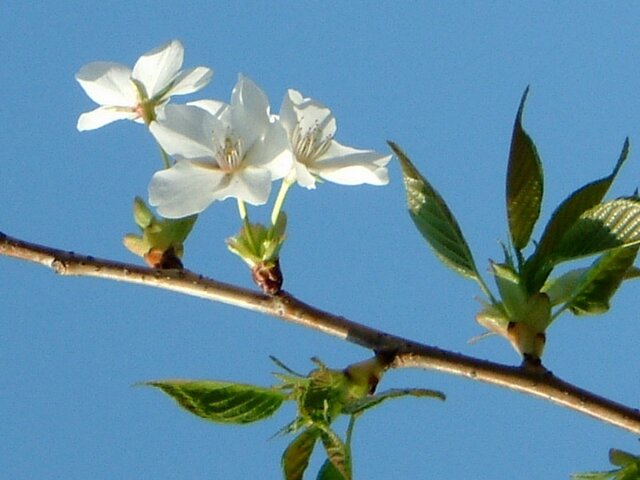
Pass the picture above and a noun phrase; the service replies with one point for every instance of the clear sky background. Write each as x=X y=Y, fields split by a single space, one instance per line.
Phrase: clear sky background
x=443 y=79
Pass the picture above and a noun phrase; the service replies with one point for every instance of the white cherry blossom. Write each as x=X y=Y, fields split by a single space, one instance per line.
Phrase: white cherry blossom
x=310 y=128
x=219 y=152
x=137 y=94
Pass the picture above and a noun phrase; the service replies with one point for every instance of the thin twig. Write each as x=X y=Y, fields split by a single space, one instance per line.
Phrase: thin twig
x=406 y=353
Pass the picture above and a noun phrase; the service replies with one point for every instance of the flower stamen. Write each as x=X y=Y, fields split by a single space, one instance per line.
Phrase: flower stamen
x=310 y=145
x=229 y=157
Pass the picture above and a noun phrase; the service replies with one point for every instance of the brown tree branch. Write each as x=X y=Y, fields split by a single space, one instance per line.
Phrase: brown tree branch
x=406 y=353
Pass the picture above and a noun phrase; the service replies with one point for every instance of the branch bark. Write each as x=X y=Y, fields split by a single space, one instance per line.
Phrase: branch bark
x=406 y=353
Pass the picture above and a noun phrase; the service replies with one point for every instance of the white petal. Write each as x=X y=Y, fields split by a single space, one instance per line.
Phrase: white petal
x=108 y=83
x=280 y=166
x=251 y=184
x=357 y=175
x=307 y=115
x=287 y=115
x=157 y=68
x=273 y=152
x=191 y=80
x=249 y=111
x=315 y=116
x=214 y=107
x=304 y=177
x=186 y=131
x=184 y=189
x=349 y=166
x=102 y=116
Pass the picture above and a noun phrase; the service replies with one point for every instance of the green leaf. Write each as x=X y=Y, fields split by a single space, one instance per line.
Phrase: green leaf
x=629 y=468
x=284 y=367
x=336 y=452
x=141 y=213
x=323 y=397
x=621 y=458
x=562 y=289
x=434 y=220
x=601 y=281
x=167 y=232
x=223 y=402
x=329 y=472
x=494 y=318
x=566 y=214
x=632 y=273
x=295 y=459
x=136 y=244
x=513 y=295
x=606 y=226
x=365 y=403
x=629 y=473
x=593 y=476
x=257 y=244
x=524 y=183
x=161 y=241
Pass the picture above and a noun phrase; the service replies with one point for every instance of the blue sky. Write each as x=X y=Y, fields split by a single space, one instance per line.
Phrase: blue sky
x=442 y=79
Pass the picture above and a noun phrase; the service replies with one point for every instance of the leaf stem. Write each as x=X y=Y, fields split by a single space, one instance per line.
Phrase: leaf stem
x=347 y=443
x=277 y=206
x=165 y=158
x=485 y=289
x=349 y=433
x=242 y=209
x=559 y=312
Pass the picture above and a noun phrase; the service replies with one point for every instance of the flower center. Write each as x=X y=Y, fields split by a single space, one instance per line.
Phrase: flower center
x=310 y=145
x=230 y=155
x=146 y=110
x=146 y=107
